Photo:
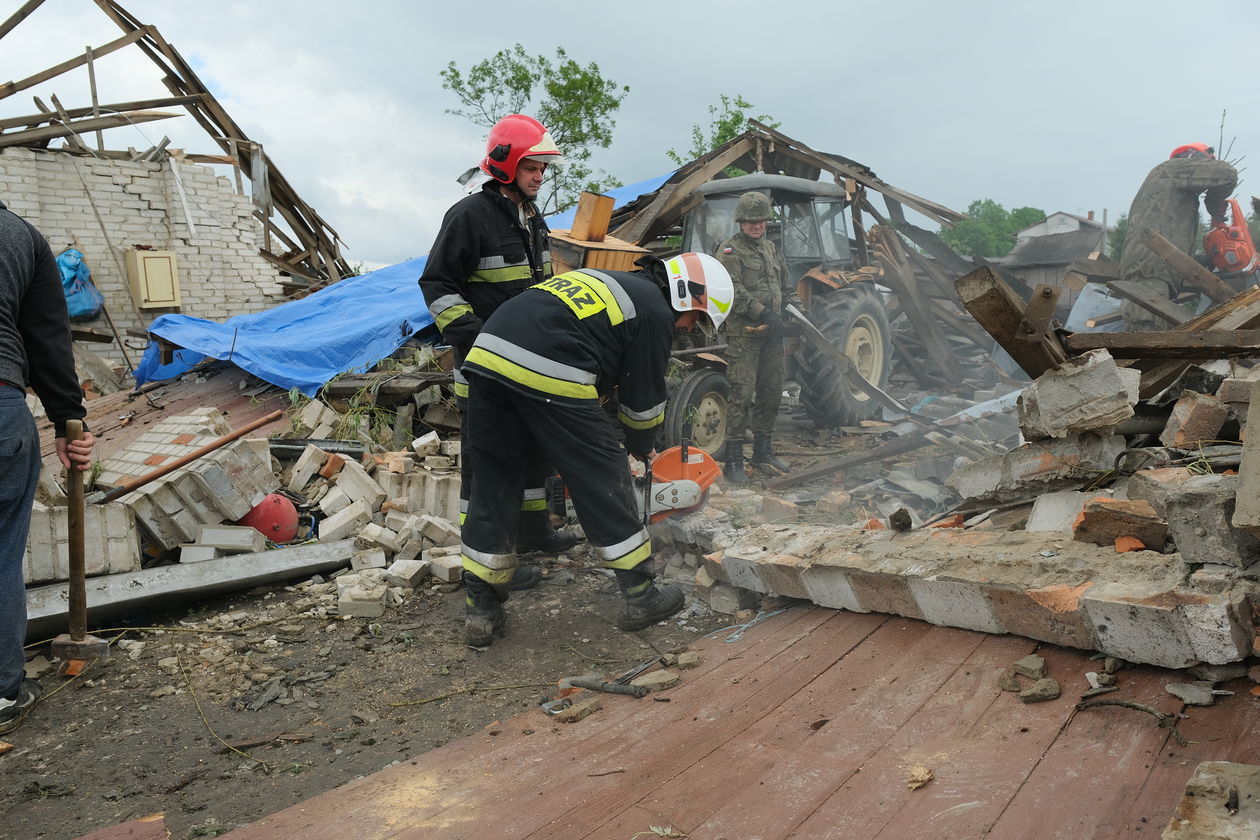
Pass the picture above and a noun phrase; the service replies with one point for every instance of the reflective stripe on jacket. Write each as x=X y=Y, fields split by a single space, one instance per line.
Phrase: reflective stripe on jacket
x=579 y=335
x=482 y=256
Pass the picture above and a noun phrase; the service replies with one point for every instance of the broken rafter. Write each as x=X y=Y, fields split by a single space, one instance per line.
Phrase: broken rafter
x=1002 y=313
x=836 y=166
x=1209 y=344
x=1156 y=304
x=19 y=16
x=667 y=205
x=1240 y=313
x=10 y=88
x=1185 y=265
x=314 y=234
x=117 y=107
x=48 y=132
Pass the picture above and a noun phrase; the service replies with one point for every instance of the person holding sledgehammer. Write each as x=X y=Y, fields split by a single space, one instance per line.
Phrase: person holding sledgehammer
x=35 y=351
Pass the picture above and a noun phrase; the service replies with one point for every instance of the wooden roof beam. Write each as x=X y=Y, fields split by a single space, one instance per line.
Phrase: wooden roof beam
x=75 y=113
x=10 y=88
x=19 y=16
x=23 y=138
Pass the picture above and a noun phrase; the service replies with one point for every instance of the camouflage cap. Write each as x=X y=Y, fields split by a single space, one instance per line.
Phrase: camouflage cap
x=753 y=207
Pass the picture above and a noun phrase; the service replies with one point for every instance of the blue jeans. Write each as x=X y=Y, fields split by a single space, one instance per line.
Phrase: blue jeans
x=19 y=475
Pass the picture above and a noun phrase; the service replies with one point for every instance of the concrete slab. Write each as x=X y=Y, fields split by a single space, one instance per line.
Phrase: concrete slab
x=143 y=589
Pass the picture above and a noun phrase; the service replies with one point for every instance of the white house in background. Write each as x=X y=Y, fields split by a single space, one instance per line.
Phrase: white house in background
x=1044 y=250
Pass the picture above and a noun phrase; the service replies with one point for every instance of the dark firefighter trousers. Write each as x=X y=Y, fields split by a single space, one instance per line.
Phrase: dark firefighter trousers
x=579 y=441
x=535 y=522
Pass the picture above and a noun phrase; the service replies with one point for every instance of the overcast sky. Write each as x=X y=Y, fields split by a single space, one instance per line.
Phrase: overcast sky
x=1061 y=104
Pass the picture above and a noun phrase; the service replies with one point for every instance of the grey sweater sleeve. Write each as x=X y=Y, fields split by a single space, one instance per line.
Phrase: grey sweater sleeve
x=42 y=322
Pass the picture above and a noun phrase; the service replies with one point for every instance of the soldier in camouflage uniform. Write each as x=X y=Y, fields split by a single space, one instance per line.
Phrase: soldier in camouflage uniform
x=754 y=336
x=1168 y=203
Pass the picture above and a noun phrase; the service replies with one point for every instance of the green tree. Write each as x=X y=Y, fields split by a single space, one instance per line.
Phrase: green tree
x=1115 y=237
x=989 y=229
x=574 y=101
x=729 y=120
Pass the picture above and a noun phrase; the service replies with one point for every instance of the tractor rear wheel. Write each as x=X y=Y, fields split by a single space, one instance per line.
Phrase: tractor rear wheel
x=699 y=402
x=854 y=320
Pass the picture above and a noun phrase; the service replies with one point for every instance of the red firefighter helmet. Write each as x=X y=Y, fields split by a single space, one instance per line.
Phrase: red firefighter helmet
x=511 y=140
x=1191 y=150
x=275 y=517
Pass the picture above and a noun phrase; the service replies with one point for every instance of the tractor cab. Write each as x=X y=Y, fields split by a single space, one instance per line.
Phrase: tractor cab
x=808 y=228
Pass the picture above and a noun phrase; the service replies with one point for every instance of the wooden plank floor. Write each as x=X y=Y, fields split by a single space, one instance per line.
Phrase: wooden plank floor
x=806 y=728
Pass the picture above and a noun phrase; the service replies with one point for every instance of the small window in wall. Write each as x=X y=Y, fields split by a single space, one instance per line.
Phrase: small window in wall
x=154 y=278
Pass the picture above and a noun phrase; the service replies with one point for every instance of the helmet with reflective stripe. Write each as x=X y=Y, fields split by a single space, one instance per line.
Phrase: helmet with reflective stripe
x=753 y=207
x=699 y=282
x=1193 y=150
x=511 y=140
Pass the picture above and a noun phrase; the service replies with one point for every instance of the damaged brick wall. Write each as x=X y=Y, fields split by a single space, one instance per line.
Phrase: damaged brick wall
x=220 y=271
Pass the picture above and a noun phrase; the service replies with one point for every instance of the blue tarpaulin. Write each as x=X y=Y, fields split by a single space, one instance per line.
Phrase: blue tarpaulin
x=346 y=327
x=621 y=196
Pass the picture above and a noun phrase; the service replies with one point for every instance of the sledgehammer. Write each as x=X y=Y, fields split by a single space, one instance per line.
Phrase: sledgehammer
x=77 y=647
x=594 y=682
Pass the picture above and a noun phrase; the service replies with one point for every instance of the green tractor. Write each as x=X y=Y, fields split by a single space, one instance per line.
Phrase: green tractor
x=810 y=231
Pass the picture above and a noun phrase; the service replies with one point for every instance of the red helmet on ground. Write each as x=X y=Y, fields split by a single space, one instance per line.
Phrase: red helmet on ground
x=1193 y=150
x=275 y=516
x=511 y=140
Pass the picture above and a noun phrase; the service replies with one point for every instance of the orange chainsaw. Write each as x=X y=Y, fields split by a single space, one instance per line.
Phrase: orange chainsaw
x=1229 y=243
x=678 y=482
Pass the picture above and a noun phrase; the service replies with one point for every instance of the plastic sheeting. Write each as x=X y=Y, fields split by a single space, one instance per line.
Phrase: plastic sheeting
x=346 y=327
x=621 y=196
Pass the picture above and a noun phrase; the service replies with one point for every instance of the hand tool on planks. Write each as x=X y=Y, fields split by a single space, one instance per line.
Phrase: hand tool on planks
x=594 y=682
x=76 y=647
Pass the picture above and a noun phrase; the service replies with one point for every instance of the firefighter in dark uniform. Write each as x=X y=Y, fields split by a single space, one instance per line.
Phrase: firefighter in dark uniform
x=492 y=246
x=536 y=375
x=1168 y=203
x=754 y=337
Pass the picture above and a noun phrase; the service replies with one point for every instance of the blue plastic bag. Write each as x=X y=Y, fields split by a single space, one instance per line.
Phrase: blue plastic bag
x=83 y=299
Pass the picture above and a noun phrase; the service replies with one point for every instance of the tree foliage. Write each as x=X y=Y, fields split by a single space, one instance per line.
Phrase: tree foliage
x=574 y=101
x=1115 y=237
x=729 y=120
x=989 y=229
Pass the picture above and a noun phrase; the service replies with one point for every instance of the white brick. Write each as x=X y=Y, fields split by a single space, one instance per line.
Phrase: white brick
x=407 y=573
x=235 y=539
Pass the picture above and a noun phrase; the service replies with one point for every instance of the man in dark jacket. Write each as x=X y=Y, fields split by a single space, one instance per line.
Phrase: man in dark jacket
x=492 y=246
x=536 y=376
x=35 y=350
x=1168 y=203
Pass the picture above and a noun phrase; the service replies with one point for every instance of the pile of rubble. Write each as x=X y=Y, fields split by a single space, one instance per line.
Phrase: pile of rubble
x=389 y=517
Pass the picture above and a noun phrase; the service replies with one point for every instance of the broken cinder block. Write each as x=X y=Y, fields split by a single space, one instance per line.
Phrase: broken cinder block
x=345 y=522
x=1086 y=394
x=1200 y=515
x=1195 y=418
x=427 y=444
x=407 y=573
x=233 y=539
x=1105 y=519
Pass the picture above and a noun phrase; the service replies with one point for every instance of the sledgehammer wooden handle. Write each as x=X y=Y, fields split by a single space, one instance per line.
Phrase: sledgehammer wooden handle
x=77 y=586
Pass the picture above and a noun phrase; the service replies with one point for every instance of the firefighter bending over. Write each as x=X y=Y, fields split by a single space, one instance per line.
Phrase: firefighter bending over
x=536 y=373
x=1168 y=203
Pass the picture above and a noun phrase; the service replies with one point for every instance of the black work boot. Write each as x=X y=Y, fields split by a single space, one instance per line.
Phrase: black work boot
x=483 y=614
x=763 y=455
x=524 y=577
x=643 y=604
x=733 y=469
x=534 y=533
